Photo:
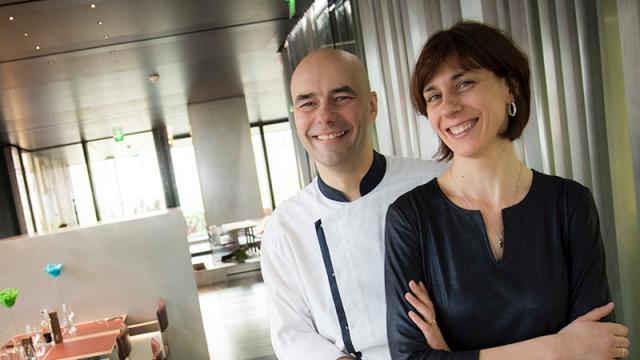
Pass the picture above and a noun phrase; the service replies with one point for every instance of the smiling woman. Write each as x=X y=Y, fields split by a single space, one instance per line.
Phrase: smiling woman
x=492 y=259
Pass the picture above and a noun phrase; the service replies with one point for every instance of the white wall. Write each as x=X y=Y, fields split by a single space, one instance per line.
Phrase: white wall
x=109 y=269
x=226 y=166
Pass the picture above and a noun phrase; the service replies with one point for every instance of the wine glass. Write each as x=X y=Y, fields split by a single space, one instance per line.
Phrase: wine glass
x=68 y=315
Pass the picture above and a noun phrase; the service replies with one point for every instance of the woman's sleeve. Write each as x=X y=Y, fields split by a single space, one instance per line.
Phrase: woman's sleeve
x=587 y=265
x=404 y=262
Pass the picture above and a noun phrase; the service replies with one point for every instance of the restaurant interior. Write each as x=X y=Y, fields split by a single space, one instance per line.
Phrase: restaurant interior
x=145 y=144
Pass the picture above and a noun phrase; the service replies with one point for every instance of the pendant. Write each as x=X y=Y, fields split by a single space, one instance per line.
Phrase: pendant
x=501 y=240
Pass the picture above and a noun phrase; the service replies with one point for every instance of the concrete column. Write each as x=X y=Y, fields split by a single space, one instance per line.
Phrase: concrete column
x=226 y=165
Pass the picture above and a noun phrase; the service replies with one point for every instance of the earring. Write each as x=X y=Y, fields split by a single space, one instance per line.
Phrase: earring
x=512 y=109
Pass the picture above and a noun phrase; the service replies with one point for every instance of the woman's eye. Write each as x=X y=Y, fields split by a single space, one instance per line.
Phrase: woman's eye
x=464 y=83
x=434 y=97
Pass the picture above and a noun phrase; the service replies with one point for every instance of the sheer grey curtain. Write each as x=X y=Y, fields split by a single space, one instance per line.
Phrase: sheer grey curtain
x=576 y=130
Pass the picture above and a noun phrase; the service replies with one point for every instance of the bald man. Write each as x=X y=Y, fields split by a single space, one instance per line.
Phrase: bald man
x=323 y=250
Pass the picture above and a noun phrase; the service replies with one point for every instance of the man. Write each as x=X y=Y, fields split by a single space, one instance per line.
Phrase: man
x=323 y=251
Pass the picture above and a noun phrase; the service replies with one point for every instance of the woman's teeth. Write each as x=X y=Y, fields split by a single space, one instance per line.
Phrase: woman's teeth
x=457 y=130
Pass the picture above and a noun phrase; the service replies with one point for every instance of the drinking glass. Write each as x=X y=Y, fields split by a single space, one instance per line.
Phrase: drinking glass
x=67 y=319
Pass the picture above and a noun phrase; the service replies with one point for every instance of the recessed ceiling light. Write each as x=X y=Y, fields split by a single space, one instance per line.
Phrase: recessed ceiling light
x=100 y=22
x=50 y=62
x=93 y=6
x=112 y=52
x=26 y=34
x=11 y=18
x=37 y=47
x=106 y=36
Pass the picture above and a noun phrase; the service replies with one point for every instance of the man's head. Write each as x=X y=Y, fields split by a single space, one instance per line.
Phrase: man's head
x=333 y=106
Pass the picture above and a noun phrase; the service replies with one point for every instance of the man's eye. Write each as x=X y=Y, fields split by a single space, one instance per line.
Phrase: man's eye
x=342 y=98
x=305 y=105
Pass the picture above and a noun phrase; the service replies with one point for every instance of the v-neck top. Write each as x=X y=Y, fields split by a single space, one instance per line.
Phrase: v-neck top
x=552 y=269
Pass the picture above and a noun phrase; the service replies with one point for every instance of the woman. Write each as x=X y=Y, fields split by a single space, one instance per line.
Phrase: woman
x=510 y=257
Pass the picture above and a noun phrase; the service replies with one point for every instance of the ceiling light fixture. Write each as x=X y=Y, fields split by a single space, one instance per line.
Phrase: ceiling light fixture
x=11 y=18
x=106 y=36
x=37 y=47
x=100 y=22
x=50 y=62
x=154 y=77
x=93 y=6
x=25 y=34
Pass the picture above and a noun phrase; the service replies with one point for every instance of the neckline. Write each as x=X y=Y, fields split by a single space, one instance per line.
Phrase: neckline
x=525 y=199
x=369 y=181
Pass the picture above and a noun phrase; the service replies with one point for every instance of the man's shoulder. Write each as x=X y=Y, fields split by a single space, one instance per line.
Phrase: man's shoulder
x=403 y=165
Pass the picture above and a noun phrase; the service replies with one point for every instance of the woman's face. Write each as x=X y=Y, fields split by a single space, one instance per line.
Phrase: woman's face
x=467 y=108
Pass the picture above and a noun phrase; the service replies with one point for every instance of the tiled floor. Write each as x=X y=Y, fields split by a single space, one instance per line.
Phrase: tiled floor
x=235 y=319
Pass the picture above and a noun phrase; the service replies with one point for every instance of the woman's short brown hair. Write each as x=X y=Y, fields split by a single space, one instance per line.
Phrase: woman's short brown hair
x=473 y=45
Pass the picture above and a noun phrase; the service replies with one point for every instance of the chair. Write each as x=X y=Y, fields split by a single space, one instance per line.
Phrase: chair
x=163 y=321
x=156 y=350
x=124 y=343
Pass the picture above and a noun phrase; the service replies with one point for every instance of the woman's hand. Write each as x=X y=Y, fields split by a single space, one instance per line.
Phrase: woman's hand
x=418 y=297
x=586 y=338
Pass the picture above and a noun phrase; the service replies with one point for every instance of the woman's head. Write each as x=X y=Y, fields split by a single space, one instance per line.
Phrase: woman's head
x=474 y=46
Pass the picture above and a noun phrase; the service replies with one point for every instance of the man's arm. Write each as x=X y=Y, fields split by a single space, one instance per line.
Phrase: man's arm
x=293 y=333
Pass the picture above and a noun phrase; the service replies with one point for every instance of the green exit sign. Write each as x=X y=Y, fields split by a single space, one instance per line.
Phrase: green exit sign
x=118 y=135
x=292 y=7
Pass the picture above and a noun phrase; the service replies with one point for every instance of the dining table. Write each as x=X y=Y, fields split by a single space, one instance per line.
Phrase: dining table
x=92 y=340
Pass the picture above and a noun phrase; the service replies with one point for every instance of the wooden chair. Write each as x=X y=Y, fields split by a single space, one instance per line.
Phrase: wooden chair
x=163 y=321
x=123 y=343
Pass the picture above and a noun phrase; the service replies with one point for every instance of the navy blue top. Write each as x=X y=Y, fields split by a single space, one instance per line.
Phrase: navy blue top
x=552 y=270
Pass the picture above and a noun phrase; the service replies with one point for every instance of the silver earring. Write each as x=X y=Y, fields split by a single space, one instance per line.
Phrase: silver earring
x=512 y=109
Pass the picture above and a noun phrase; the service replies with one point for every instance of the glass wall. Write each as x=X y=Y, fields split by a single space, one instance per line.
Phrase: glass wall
x=22 y=191
x=126 y=176
x=188 y=184
x=59 y=188
x=275 y=162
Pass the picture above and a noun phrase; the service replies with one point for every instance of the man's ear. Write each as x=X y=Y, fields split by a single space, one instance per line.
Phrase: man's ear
x=373 y=106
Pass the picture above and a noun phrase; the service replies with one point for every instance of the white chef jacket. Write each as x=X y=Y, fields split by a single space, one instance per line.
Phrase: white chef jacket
x=303 y=311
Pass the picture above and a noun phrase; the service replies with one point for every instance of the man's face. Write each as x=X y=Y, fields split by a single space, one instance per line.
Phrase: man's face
x=332 y=108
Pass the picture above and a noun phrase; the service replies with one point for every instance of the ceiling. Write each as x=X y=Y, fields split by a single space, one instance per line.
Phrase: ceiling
x=72 y=72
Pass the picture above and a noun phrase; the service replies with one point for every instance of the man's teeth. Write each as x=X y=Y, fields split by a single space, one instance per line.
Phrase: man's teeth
x=462 y=127
x=330 y=136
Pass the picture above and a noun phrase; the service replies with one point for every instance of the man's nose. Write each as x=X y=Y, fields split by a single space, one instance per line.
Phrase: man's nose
x=325 y=113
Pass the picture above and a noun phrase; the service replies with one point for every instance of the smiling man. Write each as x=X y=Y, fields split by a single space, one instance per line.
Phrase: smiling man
x=323 y=250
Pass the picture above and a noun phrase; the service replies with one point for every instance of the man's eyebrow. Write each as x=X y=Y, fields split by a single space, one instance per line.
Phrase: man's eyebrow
x=305 y=96
x=344 y=89
x=454 y=77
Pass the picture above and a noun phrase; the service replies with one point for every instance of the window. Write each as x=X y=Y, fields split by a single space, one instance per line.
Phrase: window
x=59 y=188
x=187 y=181
x=126 y=176
x=275 y=162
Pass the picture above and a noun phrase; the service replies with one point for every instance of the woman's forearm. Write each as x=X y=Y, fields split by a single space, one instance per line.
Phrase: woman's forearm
x=544 y=347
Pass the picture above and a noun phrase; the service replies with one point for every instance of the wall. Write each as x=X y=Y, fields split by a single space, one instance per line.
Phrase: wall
x=109 y=269
x=226 y=166
x=9 y=225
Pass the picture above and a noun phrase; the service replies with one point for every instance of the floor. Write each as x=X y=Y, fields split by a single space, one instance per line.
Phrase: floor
x=236 y=322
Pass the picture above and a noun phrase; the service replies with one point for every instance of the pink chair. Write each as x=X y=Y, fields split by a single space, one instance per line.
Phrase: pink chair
x=156 y=350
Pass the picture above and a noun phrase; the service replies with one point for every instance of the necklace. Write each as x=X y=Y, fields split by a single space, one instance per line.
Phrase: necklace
x=499 y=235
